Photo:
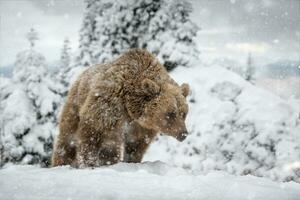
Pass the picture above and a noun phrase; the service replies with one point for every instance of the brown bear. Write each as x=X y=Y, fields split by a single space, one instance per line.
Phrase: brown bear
x=115 y=110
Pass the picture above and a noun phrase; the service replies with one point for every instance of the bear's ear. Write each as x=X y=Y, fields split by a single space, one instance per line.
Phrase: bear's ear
x=185 y=89
x=150 y=87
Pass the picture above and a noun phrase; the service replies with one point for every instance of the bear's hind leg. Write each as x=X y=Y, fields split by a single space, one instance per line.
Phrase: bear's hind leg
x=64 y=152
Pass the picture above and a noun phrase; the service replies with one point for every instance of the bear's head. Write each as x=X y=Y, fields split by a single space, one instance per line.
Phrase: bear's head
x=166 y=108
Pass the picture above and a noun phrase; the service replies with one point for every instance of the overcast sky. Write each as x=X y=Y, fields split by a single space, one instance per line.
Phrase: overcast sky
x=270 y=29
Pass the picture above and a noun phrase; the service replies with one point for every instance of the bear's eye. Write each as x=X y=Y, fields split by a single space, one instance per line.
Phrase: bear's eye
x=171 y=115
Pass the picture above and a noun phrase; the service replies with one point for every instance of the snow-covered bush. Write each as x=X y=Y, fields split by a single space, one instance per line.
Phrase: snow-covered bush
x=29 y=111
x=161 y=26
x=234 y=126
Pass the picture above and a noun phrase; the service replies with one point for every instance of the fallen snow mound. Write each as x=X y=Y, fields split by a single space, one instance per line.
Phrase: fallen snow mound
x=234 y=126
x=149 y=180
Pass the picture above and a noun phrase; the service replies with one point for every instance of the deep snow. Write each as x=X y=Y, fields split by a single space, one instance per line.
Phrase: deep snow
x=149 y=180
x=233 y=126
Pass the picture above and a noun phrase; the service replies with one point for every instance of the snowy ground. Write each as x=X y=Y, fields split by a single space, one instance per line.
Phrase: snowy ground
x=149 y=180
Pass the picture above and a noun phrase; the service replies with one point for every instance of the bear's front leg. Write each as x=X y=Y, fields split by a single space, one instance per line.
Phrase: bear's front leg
x=95 y=155
x=98 y=148
x=137 y=142
x=135 y=151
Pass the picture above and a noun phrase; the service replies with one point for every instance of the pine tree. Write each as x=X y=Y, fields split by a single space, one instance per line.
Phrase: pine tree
x=87 y=32
x=32 y=36
x=65 y=56
x=65 y=66
x=29 y=112
x=5 y=92
x=172 y=34
x=249 y=73
x=161 y=26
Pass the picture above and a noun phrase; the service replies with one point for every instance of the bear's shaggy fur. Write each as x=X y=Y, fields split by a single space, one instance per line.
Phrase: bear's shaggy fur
x=115 y=110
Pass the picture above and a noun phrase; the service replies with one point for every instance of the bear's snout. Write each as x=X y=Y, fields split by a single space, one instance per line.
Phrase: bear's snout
x=182 y=136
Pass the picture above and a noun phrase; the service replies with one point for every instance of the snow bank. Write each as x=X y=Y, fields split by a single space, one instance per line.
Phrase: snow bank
x=234 y=126
x=136 y=181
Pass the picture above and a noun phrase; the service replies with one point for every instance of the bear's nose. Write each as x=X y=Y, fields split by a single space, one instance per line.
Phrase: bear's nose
x=182 y=136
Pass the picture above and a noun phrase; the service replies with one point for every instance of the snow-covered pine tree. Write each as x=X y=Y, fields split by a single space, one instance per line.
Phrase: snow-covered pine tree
x=5 y=91
x=161 y=26
x=87 y=36
x=65 y=56
x=171 y=34
x=32 y=36
x=65 y=66
x=28 y=119
x=249 y=71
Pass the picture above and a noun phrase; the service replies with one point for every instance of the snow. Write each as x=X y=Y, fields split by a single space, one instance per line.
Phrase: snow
x=148 y=180
x=234 y=126
x=244 y=141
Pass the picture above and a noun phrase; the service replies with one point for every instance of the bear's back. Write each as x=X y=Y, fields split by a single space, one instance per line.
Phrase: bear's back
x=85 y=82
